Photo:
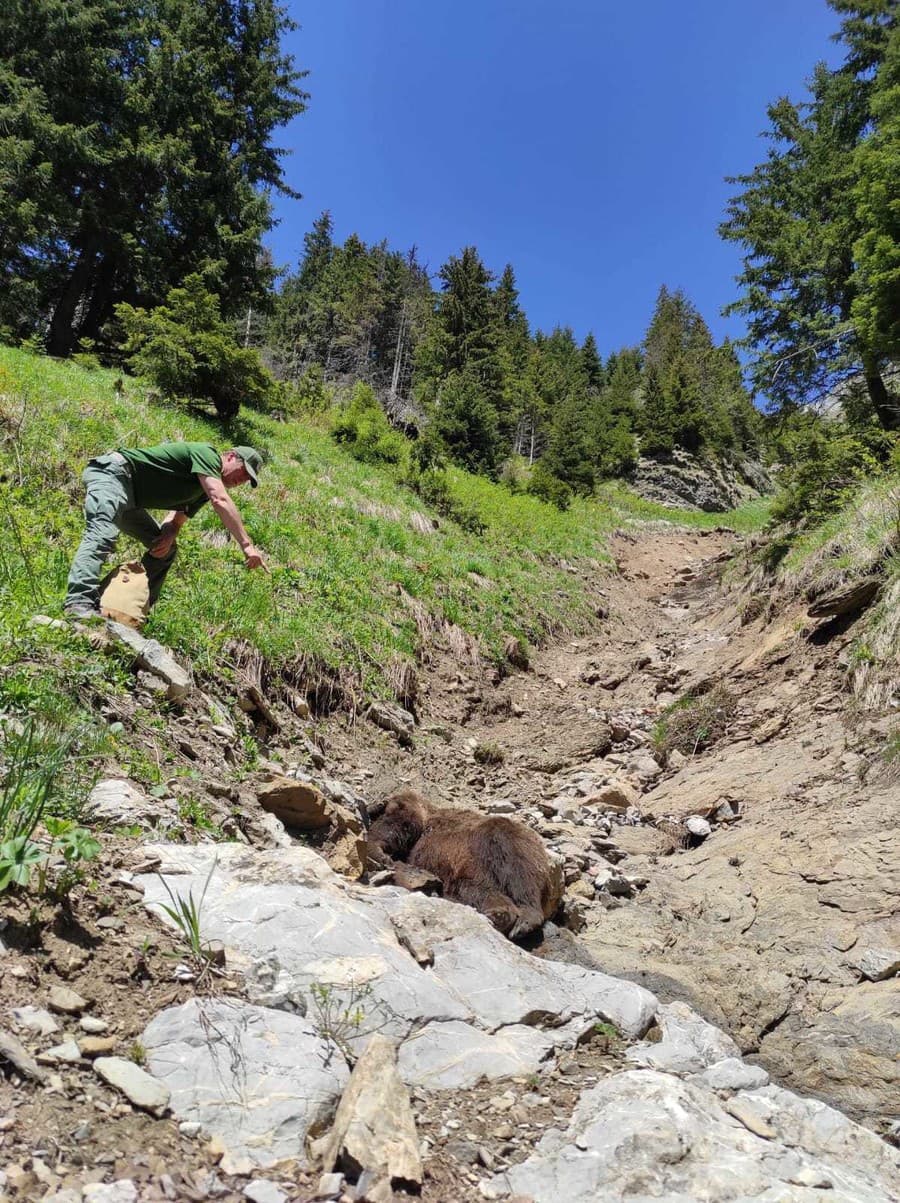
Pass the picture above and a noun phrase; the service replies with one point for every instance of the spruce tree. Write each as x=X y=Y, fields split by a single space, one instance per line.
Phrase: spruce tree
x=810 y=289
x=136 y=148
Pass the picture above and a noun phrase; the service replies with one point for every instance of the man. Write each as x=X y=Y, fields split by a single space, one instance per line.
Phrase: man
x=178 y=477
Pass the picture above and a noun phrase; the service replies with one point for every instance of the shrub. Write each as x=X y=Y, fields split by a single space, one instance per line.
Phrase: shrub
x=363 y=428
x=549 y=488
x=188 y=351
x=824 y=464
x=308 y=394
x=433 y=486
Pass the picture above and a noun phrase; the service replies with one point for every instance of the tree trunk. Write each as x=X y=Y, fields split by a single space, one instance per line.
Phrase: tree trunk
x=61 y=338
x=886 y=407
x=398 y=354
x=100 y=306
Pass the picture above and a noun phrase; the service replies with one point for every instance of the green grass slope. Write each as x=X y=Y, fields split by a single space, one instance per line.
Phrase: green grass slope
x=362 y=576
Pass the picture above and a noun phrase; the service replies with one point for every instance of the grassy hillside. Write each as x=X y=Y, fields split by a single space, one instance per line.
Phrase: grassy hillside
x=362 y=577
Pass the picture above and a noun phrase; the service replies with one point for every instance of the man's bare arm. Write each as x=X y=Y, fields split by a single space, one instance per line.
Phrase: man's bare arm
x=228 y=515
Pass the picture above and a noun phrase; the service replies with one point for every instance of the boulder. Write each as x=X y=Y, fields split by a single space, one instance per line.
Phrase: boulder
x=256 y=1079
x=644 y=1134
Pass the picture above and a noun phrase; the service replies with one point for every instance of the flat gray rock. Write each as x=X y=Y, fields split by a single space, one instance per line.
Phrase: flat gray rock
x=35 y=1019
x=734 y=1074
x=255 y=1078
x=450 y=1056
x=155 y=658
x=138 y=1086
x=647 y=1135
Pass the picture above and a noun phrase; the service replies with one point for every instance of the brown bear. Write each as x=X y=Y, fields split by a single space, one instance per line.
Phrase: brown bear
x=490 y=863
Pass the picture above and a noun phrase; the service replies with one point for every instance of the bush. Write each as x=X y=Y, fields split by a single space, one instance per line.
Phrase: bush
x=824 y=464
x=186 y=349
x=308 y=393
x=362 y=427
x=549 y=488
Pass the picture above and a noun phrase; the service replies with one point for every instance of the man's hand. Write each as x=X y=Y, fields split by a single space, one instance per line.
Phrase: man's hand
x=164 y=541
x=255 y=558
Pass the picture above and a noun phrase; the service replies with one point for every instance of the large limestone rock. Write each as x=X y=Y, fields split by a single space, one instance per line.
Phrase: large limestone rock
x=454 y=1056
x=257 y=1080
x=643 y=1134
x=405 y=960
x=300 y=805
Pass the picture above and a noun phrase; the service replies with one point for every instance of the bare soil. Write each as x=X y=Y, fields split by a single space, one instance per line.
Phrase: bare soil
x=756 y=926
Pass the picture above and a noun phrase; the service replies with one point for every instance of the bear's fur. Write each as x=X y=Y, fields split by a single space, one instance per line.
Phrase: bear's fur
x=488 y=862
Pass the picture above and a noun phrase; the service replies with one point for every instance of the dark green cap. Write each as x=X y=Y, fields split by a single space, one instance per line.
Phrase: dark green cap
x=252 y=462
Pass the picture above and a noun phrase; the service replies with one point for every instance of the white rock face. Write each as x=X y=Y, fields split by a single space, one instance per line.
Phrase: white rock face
x=450 y=1056
x=255 y=1078
x=689 y=1044
x=291 y=923
x=643 y=1134
x=464 y=1004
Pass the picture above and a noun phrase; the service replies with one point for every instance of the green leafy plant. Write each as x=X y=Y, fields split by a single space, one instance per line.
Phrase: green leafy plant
x=340 y=1015
x=18 y=858
x=186 y=914
x=75 y=845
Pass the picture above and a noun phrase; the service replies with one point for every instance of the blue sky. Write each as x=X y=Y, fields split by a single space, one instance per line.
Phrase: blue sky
x=583 y=141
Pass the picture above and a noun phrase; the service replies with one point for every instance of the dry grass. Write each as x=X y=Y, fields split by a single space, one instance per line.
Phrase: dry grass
x=695 y=723
x=852 y=544
x=875 y=674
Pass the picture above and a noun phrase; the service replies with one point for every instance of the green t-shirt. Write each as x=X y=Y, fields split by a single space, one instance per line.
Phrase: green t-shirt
x=165 y=477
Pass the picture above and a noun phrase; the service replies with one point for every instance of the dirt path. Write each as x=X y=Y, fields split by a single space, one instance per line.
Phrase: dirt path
x=772 y=926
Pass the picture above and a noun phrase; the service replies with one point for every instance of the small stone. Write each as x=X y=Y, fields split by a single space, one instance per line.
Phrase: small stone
x=92 y=1025
x=155 y=658
x=616 y=796
x=644 y=766
x=264 y=1190
x=698 y=826
x=123 y=1191
x=67 y=1053
x=733 y=1074
x=94 y=1046
x=876 y=964
x=190 y=1128
x=110 y=923
x=35 y=1019
x=135 y=1083
x=808 y=1176
x=66 y=1001
x=330 y=1186
x=744 y=1112
x=676 y=760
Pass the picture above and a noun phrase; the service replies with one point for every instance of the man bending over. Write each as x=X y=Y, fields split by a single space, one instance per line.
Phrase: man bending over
x=123 y=485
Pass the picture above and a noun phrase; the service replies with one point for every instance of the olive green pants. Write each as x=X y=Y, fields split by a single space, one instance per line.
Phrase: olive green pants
x=109 y=511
